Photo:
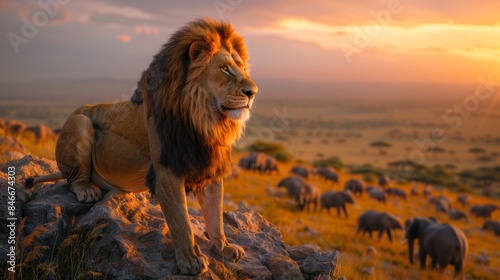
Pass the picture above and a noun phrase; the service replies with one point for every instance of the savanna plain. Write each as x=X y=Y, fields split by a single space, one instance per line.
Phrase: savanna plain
x=416 y=139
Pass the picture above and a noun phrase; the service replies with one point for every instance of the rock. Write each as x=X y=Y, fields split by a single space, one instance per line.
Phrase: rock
x=282 y=267
x=8 y=156
x=124 y=236
x=303 y=251
x=312 y=261
x=30 y=166
x=319 y=264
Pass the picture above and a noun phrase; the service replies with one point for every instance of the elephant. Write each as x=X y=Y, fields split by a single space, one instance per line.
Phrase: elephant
x=261 y=162
x=377 y=194
x=336 y=199
x=457 y=215
x=328 y=173
x=442 y=206
x=464 y=199
x=372 y=220
x=400 y=193
x=493 y=226
x=292 y=185
x=428 y=190
x=369 y=188
x=247 y=163
x=271 y=165
x=300 y=171
x=483 y=211
x=356 y=186
x=441 y=203
x=384 y=181
x=414 y=191
x=444 y=243
x=308 y=195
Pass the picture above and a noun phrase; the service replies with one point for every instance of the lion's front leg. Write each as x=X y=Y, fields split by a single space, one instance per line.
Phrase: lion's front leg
x=210 y=199
x=171 y=195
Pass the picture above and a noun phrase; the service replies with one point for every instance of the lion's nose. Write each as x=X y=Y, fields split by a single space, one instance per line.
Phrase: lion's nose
x=250 y=90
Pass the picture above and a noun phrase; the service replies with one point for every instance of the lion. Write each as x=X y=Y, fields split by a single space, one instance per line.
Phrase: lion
x=173 y=136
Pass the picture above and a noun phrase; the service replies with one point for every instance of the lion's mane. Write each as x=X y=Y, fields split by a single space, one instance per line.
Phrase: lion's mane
x=196 y=139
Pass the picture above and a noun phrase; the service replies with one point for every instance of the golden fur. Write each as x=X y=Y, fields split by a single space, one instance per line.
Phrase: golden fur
x=175 y=134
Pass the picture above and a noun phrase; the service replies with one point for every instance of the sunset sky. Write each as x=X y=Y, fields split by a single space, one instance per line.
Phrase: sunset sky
x=370 y=41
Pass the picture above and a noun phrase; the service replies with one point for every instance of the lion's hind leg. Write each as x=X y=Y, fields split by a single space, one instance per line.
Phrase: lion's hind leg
x=74 y=156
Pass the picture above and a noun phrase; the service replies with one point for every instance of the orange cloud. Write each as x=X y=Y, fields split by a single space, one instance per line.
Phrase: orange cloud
x=124 y=38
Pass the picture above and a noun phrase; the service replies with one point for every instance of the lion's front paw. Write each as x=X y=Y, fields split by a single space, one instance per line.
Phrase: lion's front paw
x=86 y=193
x=192 y=263
x=230 y=251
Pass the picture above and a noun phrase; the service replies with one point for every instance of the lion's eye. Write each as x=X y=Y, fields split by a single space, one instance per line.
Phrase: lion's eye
x=226 y=71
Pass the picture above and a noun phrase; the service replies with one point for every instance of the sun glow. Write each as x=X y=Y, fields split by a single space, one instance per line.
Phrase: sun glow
x=480 y=42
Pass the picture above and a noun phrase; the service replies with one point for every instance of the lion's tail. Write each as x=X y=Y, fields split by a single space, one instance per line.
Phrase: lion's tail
x=31 y=182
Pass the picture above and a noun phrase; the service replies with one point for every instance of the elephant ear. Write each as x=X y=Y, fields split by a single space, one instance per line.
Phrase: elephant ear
x=411 y=227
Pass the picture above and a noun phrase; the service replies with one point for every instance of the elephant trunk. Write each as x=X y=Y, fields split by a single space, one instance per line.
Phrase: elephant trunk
x=411 y=242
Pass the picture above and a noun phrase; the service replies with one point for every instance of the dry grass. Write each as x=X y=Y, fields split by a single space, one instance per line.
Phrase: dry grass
x=391 y=261
x=31 y=145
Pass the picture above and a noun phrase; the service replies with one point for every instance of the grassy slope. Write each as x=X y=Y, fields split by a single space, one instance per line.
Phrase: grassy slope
x=391 y=261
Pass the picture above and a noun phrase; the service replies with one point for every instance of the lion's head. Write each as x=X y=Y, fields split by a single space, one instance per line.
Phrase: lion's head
x=200 y=94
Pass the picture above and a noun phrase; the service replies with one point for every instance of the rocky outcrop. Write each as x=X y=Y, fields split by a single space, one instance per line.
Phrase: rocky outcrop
x=11 y=149
x=124 y=236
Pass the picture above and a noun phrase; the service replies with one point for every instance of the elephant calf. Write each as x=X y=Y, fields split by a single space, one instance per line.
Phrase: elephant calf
x=372 y=220
x=444 y=243
x=336 y=199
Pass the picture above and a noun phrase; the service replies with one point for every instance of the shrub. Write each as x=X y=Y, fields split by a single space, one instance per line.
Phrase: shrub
x=274 y=149
x=334 y=162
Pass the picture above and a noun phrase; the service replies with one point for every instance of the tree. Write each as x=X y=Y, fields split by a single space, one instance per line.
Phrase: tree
x=477 y=151
x=381 y=145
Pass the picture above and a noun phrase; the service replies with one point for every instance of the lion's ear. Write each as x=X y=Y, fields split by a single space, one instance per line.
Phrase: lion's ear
x=196 y=49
